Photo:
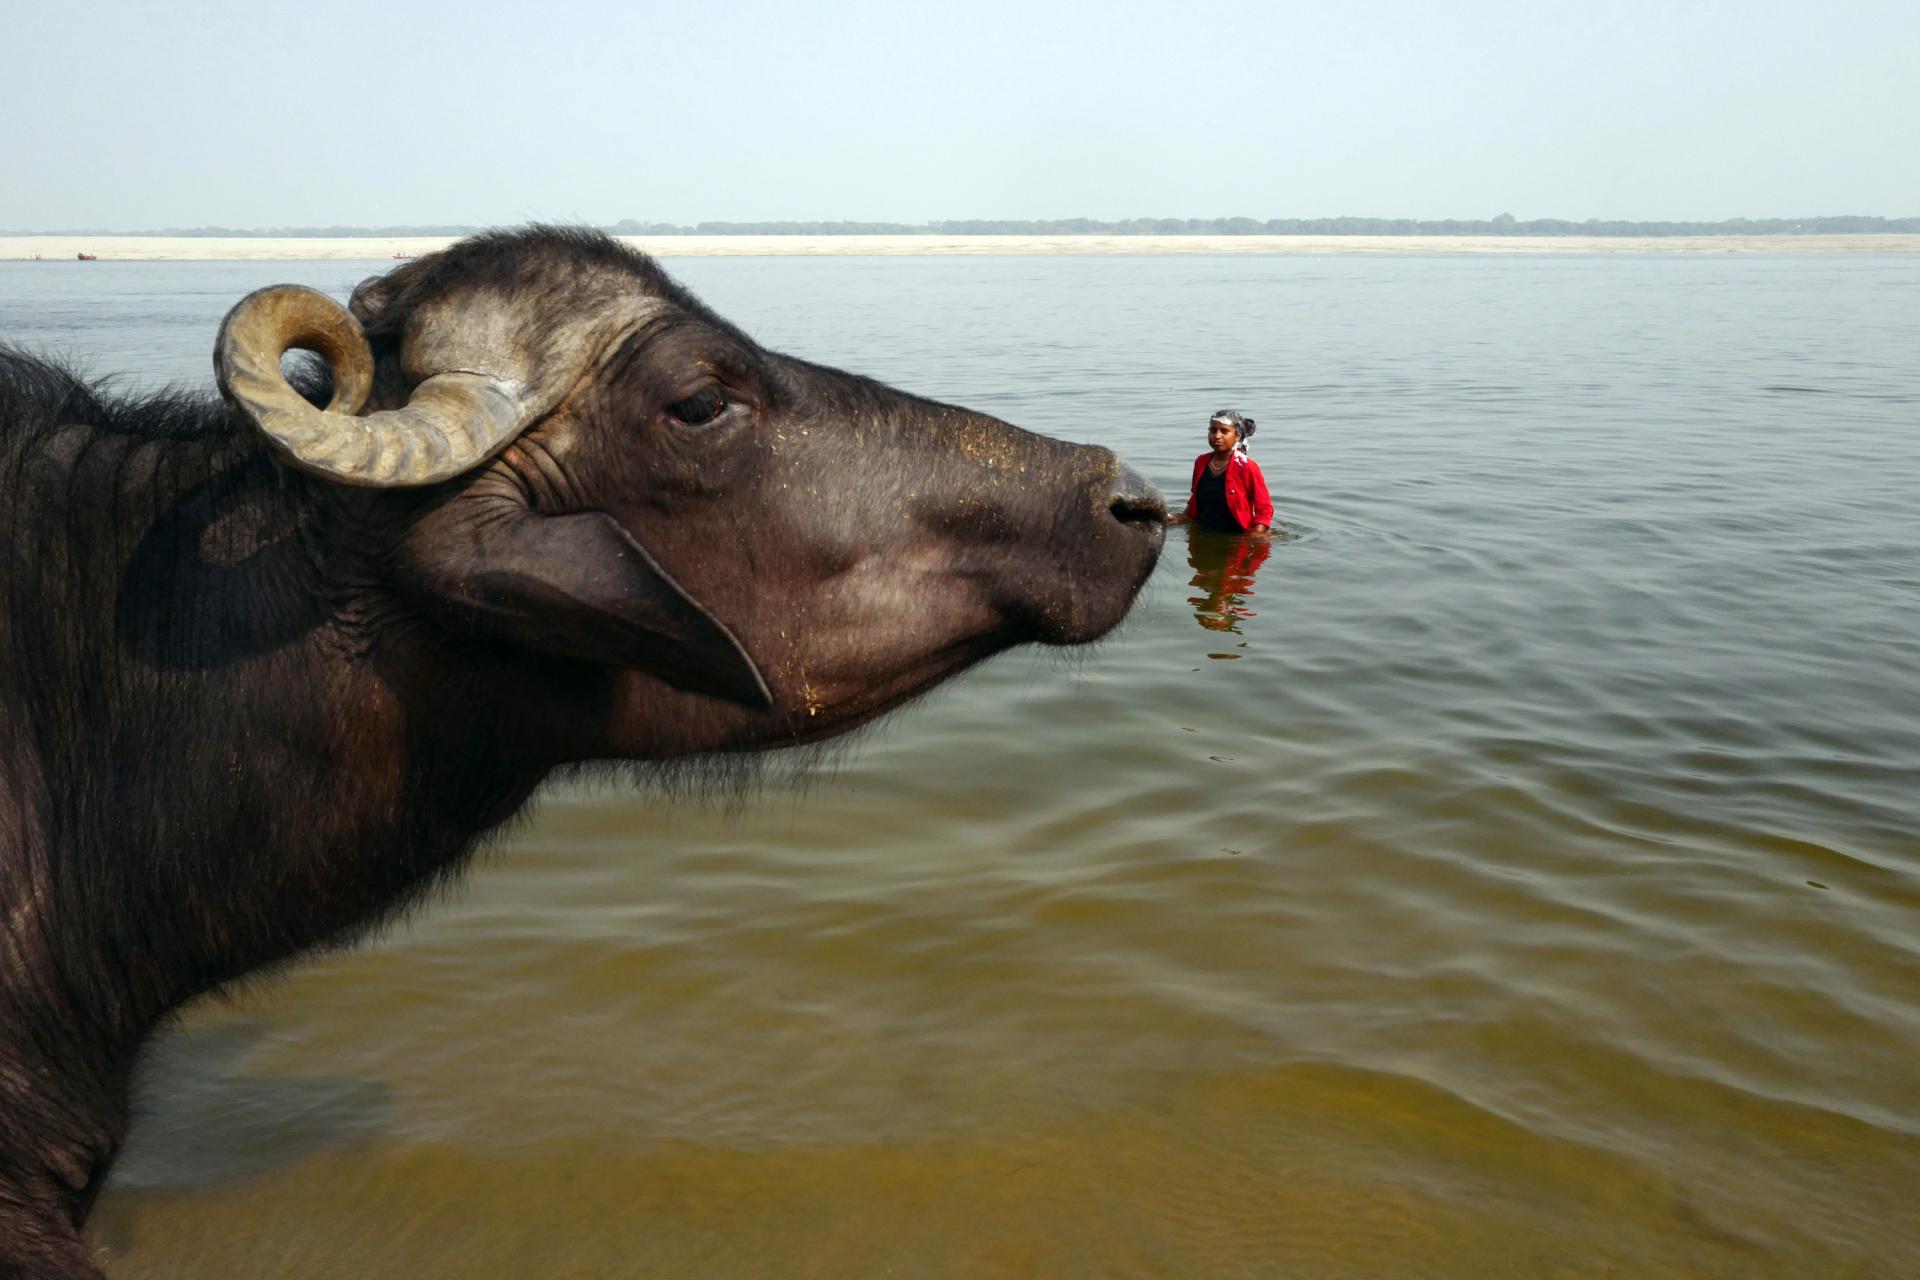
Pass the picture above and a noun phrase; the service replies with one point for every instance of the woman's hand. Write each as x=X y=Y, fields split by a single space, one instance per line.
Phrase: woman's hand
x=1178 y=517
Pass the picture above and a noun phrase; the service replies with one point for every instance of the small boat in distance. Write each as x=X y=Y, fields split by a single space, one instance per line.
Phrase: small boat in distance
x=89 y=257
x=403 y=257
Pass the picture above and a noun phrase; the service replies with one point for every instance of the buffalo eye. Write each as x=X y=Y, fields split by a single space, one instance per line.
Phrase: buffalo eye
x=698 y=409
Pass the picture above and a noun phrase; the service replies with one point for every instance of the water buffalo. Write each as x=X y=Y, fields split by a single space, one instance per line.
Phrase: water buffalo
x=270 y=667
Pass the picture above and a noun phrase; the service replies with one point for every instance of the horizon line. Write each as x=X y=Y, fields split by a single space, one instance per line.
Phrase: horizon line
x=1503 y=224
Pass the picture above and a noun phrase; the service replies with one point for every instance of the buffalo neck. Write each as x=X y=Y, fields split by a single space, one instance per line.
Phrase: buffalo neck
x=191 y=642
x=217 y=658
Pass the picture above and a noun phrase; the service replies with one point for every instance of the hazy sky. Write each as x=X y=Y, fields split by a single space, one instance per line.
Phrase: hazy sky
x=195 y=112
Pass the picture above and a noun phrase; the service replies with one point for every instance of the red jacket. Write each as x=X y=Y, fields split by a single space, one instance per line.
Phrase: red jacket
x=1246 y=491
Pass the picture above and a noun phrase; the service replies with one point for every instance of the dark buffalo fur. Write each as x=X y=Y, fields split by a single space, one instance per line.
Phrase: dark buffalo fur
x=153 y=553
x=234 y=726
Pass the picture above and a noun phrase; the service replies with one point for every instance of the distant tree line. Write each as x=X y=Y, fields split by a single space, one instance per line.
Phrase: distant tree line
x=1503 y=225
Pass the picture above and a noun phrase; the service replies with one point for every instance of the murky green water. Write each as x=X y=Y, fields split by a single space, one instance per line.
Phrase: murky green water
x=1516 y=872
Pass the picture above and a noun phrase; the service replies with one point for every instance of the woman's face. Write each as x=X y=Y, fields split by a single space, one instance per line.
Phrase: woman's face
x=1222 y=437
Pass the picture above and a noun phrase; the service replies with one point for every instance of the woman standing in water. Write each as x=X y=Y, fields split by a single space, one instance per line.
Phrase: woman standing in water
x=1229 y=494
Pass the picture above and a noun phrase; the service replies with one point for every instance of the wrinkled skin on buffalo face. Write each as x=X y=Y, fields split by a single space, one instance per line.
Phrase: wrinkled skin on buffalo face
x=859 y=544
x=268 y=671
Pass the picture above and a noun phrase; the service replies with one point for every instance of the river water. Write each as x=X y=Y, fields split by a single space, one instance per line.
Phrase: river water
x=1516 y=871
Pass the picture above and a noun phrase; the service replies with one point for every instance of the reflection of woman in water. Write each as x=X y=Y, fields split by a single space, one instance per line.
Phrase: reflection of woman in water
x=1229 y=494
x=1223 y=570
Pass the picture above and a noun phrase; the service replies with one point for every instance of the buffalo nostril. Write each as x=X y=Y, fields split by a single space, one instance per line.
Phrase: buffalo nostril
x=1138 y=509
x=1134 y=501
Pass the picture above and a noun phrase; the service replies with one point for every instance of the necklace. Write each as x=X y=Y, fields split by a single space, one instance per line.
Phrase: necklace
x=1217 y=467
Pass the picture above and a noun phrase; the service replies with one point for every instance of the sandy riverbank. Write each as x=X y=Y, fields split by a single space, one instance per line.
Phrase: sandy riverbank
x=196 y=248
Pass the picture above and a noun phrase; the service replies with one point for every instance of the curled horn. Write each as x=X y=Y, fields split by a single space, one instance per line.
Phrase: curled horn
x=454 y=420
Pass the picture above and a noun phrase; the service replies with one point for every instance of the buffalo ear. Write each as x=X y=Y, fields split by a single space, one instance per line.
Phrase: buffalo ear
x=579 y=586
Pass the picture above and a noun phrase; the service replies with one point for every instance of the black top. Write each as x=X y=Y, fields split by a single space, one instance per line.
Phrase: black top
x=1212 y=511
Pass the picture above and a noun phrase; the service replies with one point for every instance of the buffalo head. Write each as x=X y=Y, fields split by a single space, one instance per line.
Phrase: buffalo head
x=703 y=545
